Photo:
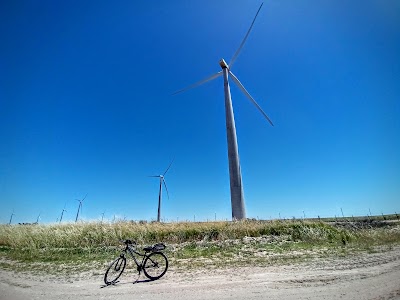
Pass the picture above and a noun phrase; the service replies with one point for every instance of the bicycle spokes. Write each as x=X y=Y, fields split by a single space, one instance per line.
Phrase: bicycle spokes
x=115 y=270
x=155 y=265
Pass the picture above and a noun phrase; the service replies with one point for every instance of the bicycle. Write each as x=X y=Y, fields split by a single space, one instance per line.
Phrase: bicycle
x=154 y=263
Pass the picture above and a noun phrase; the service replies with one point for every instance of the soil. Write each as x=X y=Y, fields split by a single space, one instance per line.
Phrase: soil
x=362 y=276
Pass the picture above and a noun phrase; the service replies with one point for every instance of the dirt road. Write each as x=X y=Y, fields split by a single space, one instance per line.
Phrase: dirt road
x=366 y=276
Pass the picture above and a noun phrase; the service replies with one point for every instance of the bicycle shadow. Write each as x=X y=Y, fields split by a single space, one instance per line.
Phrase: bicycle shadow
x=142 y=281
x=117 y=283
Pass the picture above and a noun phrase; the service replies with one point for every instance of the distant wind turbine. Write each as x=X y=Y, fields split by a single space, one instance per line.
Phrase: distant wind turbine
x=38 y=217
x=62 y=213
x=162 y=181
x=236 y=187
x=79 y=207
x=12 y=214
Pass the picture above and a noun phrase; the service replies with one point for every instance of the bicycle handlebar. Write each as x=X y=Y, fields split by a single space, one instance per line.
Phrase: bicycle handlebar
x=128 y=242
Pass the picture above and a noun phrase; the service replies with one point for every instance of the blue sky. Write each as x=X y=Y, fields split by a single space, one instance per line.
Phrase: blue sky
x=86 y=107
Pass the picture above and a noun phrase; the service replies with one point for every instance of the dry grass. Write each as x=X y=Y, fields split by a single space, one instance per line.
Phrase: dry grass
x=85 y=245
x=89 y=235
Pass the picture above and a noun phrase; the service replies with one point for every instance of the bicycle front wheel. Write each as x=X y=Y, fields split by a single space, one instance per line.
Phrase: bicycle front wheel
x=115 y=270
x=155 y=265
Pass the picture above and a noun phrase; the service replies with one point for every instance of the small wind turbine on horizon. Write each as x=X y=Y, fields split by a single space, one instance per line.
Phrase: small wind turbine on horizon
x=12 y=214
x=236 y=187
x=162 y=181
x=62 y=212
x=38 y=217
x=79 y=207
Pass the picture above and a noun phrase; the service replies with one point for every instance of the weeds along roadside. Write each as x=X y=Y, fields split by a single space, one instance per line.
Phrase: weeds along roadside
x=88 y=245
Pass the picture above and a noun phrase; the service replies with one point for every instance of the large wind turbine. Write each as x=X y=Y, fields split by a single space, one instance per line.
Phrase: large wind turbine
x=79 y=207
x=237 y=198
x=162 y=181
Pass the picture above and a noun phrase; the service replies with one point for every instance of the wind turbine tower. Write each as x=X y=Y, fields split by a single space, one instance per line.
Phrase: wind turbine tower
x=79 y=207
x=162 y=181
x=235 y=176
x=62 y=213
x=38 y=218
x=11 y=217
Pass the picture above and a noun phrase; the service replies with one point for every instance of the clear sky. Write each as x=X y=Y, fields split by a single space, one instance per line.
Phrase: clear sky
x=86 y=107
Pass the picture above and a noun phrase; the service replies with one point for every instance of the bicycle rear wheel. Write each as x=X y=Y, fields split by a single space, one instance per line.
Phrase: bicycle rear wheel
x=155 y=265
x=115 y=270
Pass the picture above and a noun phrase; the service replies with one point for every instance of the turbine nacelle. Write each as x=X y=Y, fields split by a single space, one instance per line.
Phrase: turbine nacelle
x=223 y=64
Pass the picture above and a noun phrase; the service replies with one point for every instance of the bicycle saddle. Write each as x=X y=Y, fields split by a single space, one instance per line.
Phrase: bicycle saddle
x=148 y=249
x=154 y=248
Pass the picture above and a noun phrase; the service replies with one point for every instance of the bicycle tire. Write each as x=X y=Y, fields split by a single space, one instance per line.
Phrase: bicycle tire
x=115 y=270
x=155 y=265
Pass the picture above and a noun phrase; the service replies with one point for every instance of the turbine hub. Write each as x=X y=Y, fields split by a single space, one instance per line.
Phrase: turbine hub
x=223 y=64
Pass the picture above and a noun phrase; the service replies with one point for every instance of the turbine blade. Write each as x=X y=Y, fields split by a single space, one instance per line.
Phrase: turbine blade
x=244 y=40
x=153 y=176
x=84 y=197
x=199 y=82
x=166 y=188
x=169 y=166
x=239 y=84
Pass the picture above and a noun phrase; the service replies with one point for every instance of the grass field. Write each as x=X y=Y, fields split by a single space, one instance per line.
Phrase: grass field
x=90 y=246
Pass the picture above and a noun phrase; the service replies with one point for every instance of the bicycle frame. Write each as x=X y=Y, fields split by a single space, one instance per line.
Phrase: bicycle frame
x=131 y=251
